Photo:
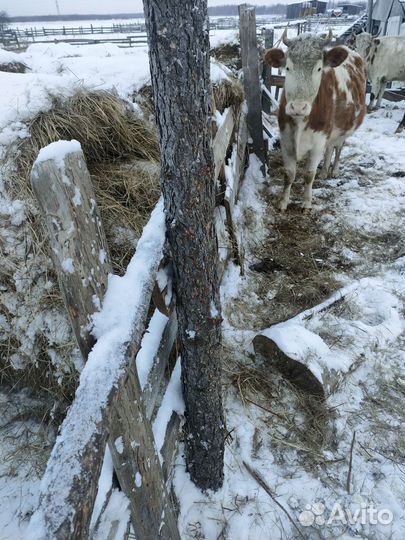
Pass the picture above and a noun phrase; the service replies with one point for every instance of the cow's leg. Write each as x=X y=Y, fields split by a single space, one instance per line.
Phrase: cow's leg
x=324 y=172
x=375 y=90
x=383 y=86
x=290 y=167
x=290 y=170
x=401 y=125
x=336 y=163
x=314 y=159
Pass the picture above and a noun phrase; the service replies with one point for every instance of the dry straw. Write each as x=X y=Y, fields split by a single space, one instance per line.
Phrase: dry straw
x=13 y=67
x=121 y=151
x=122 y=154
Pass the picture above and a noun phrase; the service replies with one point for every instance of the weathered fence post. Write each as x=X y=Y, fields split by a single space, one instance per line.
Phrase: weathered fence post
x=62 y=186
x=268 y=44
x=251 y=79
x=369 y=27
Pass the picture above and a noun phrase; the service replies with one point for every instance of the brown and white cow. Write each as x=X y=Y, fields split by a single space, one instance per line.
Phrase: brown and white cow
x=323 y=102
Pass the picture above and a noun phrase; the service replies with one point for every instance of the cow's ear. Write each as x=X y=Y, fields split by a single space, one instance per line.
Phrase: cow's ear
x=275 y=57
x=334 y=57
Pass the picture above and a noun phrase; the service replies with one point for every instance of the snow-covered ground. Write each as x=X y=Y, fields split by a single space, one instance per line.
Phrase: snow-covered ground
x=332 y=471
x=304 y=456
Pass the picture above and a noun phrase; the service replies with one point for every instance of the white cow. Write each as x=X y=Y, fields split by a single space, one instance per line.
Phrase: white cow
x=385 y=61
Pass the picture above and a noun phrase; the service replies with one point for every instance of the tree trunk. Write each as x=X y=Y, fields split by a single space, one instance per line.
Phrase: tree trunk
x=179 y=59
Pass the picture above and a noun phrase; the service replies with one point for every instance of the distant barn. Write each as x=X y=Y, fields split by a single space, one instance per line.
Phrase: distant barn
x=350 y=9
x=303 y=9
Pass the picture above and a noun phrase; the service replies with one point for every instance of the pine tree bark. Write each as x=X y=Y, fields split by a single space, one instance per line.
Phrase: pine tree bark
x=179 y=59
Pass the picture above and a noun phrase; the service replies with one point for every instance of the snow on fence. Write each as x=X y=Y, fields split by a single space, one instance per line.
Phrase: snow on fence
x=123 y=383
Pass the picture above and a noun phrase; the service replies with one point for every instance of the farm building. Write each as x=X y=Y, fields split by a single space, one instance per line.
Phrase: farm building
x=302 y=9
x=388 y=17
x=349 y=9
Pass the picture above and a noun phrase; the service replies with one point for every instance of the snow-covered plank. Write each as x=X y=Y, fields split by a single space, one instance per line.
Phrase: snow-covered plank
x=62 y=186
x=108 y=400
x=152 y=392
x=222 y=139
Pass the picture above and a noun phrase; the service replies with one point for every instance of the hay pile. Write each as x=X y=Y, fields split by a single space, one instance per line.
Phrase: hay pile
x=226 y=93
x=13 y=67
x=121 y=150
x=119 y=141
x=229 y=55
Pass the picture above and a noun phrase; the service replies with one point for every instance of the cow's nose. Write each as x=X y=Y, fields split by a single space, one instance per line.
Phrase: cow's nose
x=298 y=108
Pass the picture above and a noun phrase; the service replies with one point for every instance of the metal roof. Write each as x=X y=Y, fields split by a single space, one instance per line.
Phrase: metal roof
x=384 y=9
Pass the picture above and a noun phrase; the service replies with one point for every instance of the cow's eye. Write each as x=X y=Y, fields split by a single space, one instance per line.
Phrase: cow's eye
x=288 y=69
x=319 y=69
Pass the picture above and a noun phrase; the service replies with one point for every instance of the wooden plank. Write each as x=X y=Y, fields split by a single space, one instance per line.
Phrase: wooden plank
x=109 y=399
x=231 y=230
x=223 y=240
x=137 y=465
x=234 y=174
x=251 y=80
x=222 y=140
x=78 y=245
x=169 y=448
x=268 y=44
x=240 y=158
x=152 y=393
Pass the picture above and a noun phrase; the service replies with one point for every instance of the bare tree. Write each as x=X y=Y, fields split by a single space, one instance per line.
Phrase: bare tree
x=179 y=59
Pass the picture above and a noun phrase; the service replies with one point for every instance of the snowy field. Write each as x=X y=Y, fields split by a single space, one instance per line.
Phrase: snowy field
x=334 y=471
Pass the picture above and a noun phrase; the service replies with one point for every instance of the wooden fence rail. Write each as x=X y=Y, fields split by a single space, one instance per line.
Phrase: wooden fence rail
x=114 y=405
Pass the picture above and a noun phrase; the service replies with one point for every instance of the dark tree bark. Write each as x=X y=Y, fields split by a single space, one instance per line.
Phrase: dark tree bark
x=179 y=59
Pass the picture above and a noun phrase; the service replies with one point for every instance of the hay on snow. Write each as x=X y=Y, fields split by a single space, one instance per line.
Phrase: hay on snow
x=122 y=154
x=121 y=150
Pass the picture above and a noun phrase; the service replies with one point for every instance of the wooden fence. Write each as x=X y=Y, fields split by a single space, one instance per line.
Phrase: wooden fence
x=111 y=407
x=117 y=411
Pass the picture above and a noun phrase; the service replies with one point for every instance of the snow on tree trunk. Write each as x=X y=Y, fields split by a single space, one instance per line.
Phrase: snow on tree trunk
x=179 y=59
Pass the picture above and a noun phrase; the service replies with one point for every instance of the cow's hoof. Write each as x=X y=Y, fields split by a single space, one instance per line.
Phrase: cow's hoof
x=323 y=175
x=282 y=206
x=306 y=211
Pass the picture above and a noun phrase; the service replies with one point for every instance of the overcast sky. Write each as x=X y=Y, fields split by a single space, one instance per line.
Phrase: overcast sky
x=45 y=7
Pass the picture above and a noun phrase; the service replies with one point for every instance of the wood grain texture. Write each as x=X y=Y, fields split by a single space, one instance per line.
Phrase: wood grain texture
x=251 y=80
x=78 y=244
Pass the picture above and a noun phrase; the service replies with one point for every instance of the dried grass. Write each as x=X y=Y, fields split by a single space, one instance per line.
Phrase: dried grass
x=13 y=67
x=103 y=124
x=229 y=92
x=121 y=152
x=292 y=418
x=126 y=195
x=229 y=55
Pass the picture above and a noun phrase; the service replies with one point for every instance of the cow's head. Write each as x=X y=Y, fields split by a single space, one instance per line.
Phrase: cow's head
x=304 y=62
x=363 y=44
